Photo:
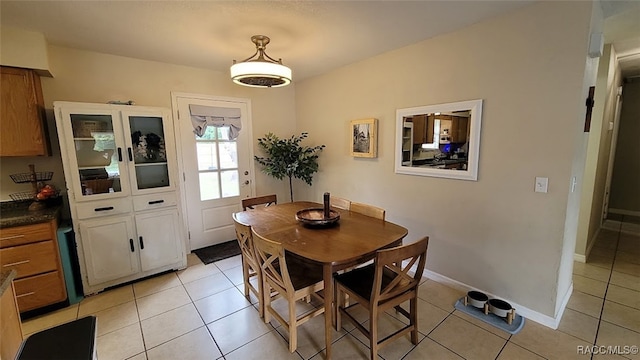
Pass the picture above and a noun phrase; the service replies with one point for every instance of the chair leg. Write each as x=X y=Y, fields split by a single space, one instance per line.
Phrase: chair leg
x=245 y=276
x=266 y=300
x=373 y=332
x=293 y=326
x=413 y=308
x=339 y=303
x=261 y=295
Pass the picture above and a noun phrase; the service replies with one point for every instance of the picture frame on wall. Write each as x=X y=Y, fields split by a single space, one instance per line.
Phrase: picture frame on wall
x=364 y=138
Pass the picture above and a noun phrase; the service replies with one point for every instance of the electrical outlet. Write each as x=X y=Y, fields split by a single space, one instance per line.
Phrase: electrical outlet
x=542 y=184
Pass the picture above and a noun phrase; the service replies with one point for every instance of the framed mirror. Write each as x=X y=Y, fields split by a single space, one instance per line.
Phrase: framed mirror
x=439 y=140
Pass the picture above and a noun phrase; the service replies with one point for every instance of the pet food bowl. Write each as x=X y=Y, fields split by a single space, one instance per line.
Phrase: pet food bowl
x=499 y=307
x=477 y=299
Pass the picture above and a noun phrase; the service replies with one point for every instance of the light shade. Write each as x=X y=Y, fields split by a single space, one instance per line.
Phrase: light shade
x=260 y=70
x=260 y=74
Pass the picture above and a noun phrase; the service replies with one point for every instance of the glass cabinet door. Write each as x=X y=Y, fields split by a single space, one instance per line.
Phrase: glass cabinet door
x=147 y=152
x=98 y=155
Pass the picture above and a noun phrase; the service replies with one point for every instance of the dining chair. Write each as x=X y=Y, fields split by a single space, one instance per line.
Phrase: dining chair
x=293 y=280
x=368 y=210
x=340 y=203
x=266 y=200
x=384 y=284
x=250 y=266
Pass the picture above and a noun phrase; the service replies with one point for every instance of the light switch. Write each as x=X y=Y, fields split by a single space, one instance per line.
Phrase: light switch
x=542 y=184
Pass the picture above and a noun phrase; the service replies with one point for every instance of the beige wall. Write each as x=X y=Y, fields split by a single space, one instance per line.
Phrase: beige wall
x=625 y=183
x=93 y=77
x=495 y=234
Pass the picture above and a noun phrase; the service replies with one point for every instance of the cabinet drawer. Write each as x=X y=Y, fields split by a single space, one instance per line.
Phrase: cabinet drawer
x=154 y=201
x=102 y=208
x=40 y=290
x=19 y=235
x=30 y=259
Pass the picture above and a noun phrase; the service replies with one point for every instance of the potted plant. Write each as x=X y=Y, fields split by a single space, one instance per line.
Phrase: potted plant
x=287 y=157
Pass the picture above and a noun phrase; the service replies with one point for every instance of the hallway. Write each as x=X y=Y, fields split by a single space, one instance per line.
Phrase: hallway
x=605 y=305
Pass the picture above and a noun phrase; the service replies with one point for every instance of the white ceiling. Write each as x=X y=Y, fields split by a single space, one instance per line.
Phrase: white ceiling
x=311 y=37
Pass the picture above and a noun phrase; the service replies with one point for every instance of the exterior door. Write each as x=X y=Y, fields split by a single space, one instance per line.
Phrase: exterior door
x=217 y=171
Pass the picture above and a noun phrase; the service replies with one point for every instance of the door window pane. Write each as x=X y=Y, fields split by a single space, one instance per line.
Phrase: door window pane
x=230 y=183
x=209 y=186
x=223 y=133
x=209 y=134
x=207 y=158
x=228 y=155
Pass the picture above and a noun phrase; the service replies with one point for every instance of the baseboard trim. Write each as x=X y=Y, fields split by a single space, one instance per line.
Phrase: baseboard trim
x=623 y=227
x=532 y=315
x=583 y=258
x=624 y=212
x=563 y=306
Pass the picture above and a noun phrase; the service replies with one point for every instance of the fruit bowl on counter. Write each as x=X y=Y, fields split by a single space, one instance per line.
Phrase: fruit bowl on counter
x=45 y=195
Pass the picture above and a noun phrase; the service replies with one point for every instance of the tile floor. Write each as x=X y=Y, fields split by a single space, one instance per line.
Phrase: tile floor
x=201 y=313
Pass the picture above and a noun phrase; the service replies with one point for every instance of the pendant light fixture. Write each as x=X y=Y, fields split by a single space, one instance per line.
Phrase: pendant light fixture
x=260 y=70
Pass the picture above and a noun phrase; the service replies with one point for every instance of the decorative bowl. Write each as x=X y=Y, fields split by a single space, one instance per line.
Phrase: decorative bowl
x=477 y=299
x=499 y=307
x=315 y=217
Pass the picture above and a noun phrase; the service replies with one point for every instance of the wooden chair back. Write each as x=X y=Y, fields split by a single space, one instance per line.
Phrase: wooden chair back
x=272 y=262
x=266 y=200
x=368 y=210
x=250 y=265
x=340 y=203
x=276 y=271
x=245 y=240
x=391 y=286
x=397 y=262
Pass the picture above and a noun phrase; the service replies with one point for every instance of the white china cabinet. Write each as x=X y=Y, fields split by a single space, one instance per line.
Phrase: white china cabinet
x=121 y=172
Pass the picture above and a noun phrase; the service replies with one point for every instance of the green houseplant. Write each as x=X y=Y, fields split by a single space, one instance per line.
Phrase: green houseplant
x=287 y=157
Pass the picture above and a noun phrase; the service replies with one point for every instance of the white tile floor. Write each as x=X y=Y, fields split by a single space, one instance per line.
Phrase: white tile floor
x=201 y=313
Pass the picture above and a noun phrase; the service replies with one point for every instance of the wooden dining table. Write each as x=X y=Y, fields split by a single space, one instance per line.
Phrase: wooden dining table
x=352 y=241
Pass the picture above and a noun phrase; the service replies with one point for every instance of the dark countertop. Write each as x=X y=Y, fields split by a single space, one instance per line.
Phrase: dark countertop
x=14 y=213
x=434 y=162
x=6 y=276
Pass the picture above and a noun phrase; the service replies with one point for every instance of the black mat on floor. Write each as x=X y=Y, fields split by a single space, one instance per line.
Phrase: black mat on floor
x=217 y=252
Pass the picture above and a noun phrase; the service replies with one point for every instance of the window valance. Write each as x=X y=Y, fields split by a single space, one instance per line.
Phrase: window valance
x=203 y=116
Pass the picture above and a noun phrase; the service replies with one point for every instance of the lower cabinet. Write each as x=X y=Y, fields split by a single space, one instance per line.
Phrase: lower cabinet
x=32 y=251
x=108 y=248
x=158 y=239
x=117 y=249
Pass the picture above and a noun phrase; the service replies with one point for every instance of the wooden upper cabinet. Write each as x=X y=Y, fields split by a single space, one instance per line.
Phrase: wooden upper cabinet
x=430 y=128
x=459 y=129
x=22 y=127
x=419 y=129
